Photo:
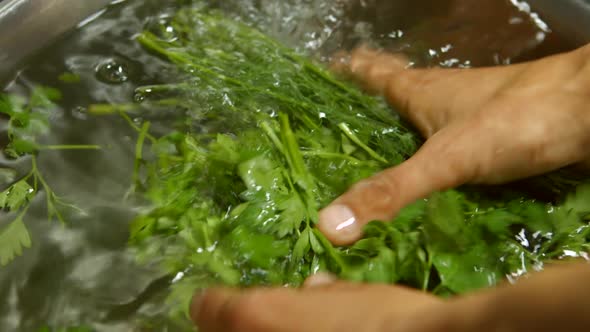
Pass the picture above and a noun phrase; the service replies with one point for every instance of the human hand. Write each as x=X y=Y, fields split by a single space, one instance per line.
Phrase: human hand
x=554 y=300
x=483 y=126
x=323 y=305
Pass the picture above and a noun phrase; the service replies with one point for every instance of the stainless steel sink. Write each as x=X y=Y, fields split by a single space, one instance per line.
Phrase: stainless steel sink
x=28 y=25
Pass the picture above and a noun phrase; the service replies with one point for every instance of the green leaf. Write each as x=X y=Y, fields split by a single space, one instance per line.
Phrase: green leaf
x=445 y=215
x=225 y=149
x=294 y=157
x=6 y=105
x=13 y=239
x=22 y=146
x=70 y=78
x=291 y=216
x=468 y=271
x=29 y=120
x=142 y=227
x=260 y=173
x=302 y=245
x=16 y=196
x=578 y=202
x=44 y=97
x=316 y=246
x=383 y=268
x=498 y=222
x=347 y=146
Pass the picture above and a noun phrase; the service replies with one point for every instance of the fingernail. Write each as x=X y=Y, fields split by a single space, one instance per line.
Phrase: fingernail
x=339 y=224
x=319 y=279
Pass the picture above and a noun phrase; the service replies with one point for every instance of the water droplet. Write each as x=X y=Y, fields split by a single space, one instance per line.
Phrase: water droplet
x=80 y=113
x=141 y=95
x=161 y=28
x=138 y=121
x=112 y=71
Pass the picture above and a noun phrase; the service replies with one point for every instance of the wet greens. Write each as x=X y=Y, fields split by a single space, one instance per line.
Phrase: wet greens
x=27 y=122
x=265 y=138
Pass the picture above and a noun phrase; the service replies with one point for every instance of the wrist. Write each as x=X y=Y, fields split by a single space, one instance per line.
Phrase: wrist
x=555 y=300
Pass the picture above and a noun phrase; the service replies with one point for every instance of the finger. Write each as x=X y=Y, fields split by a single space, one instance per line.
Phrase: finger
x=370 y=68
x=207 y=309
x=554 y=300
x=270 y=310
x=320 y=280
x=429 y=98
x=340 y=63
x=342 y=307
x=233 y=310
x=374 y=69
x=442 y=163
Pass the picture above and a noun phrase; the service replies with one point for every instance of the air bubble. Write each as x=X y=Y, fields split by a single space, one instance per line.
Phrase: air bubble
x=112 y=71
x=80 y=113
x=161 y=28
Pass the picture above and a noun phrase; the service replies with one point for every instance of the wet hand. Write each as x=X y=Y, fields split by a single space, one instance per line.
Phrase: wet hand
x=323 y=305
x=555 y=300
x=483 y=126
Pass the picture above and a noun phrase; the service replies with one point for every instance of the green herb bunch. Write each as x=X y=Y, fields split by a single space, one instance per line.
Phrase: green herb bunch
x=263 y=138
x=27 y=122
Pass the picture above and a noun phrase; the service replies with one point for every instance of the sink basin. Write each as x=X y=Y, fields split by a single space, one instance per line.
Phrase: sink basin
x=28 y=25
x=32 y=24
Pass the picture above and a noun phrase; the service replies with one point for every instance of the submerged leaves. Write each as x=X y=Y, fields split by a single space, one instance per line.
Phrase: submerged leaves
x=28 y=120
x=13 y=239
x=267 y=138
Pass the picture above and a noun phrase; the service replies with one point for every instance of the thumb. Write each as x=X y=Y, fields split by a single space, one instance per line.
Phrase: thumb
x=437 y=166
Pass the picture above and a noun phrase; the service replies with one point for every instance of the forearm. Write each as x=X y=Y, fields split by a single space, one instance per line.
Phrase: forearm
x=555 y=300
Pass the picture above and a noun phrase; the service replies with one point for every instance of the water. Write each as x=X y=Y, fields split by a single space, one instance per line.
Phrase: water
x=82 y=273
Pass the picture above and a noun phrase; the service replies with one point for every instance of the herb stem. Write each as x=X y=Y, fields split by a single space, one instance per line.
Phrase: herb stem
x=136 y=127
x=330 y=155
x=352 y=136
x=104 y=109
x=50 y=195
x=273 y=136
x=143 y=132
x=70 y=147
x=427 y=273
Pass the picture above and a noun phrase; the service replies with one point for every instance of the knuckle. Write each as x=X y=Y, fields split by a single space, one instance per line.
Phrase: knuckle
x=377 y=195
x=241 y=313
x=357 y=64
x=424 y=123
x=452 y=159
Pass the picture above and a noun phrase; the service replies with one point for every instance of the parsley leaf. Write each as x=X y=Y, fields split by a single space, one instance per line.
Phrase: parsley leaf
x=13 y=239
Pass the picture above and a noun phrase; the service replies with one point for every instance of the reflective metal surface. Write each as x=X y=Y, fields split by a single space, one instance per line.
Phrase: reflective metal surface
x=28 y=25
